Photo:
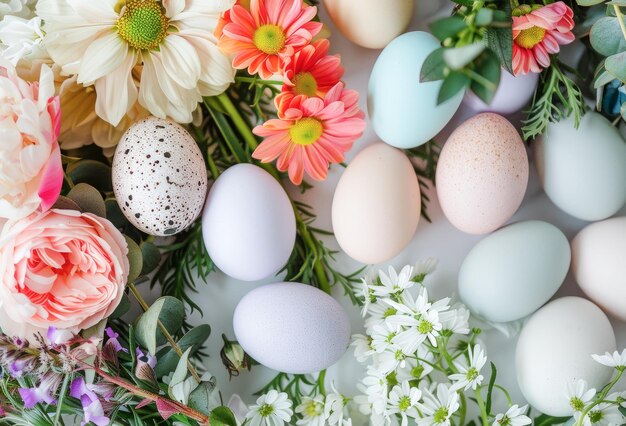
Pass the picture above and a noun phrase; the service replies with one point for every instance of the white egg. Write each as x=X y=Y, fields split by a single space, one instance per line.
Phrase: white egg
x=248 y=224
x=370 y=23
x=404 y=111
x=582 y=170
x=159 y=177
x=509 y=274
x=292 y=327
x=513 y=94
x=376 y=206
x=554 y=350
x=599 y=264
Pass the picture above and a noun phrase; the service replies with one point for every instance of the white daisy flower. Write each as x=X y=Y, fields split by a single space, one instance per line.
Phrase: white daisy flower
x=21 y=38
x=403 y=400
x=393 y=283
x=382 y=337
x=20 y=8
x=417 y=369
x=615 y=360
x=579 y=396
x=514 y=416
x=312 y=411
x=391 y=359
x=362 y=347
x=375 y=386
x=335 y=407
x=173 y=40
x=603 y=414
x=437 y=410
x=456 y=320
x=365 y=293
x=378 y=312
x=423 y=268
x=469 y=372
x=271 y=409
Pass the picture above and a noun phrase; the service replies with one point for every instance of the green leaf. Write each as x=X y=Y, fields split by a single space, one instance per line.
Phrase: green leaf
x=222 y=416
x=114 y=213
x=545 y=420
x=602 y=78
x=447 y=27
x=193 y=339
x=492 y=382
x=170 y=311
x=616 y=65
x=458 y=57
x=606 y=36
x=151 y=257
x=180 y=374
x=484 y=17
x=433 y=66
x=500 y=41
x=454 y=83
x=488 y=67
x=64 y=203
x=204 y=396
x=93 y=172
x=589 y=2
x=88 y=198
x=135 y=259
x=122 y=308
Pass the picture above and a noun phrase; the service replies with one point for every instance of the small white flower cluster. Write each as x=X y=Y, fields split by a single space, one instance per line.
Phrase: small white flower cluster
x=409 y=341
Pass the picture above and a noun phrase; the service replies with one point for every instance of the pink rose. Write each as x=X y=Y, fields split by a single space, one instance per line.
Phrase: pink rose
x=62 y=269
x=31 y=175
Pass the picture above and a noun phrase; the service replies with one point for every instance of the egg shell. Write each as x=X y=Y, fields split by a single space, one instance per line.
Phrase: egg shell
x=512 y=272
x=513 y=94
x=554 y=350
x=159 y=177
x=582 y=170
x=403 y=110
x=482 y=174
x=292 y=327
x=242 y=248
x=376 y=206
x=370 y=23
x=599 y=264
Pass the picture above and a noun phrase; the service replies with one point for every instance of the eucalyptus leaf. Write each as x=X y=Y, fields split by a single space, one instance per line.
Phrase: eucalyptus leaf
x=616 y=65
x=204 y=396
x=122 y=308
x=95 y=173
x=458 y=57
x=193 y=340
x=222 y=416
x=603 y=78
x=454 y=83
x=500 y=41
x=88 y=198
x=447 y=27
x=433 y=67
x=151 y=257
x=606 y=36
x=114 y=213
x=135 y=258
x=65 y=203
x=484 y=17
x=180 y=374
x=589 y=2
x=170 y=311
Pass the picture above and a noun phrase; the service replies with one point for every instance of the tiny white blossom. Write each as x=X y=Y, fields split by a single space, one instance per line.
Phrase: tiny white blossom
x=365 y=293
x=514 y=416
x=403 y=400
x=382 y=337
x=615 y=360
x=375 y=386
x=21 y=38
x=469 y=372
x=417 y=369
x=393 y=283
x=456 y=320
x=579 y=396
x=423 y=268
x=438 y=409
x=378 y=313
x=362 y=347
x=312 y=411
x=603 y=414
x=335 y=407
x=271 y=409
x=391 y=359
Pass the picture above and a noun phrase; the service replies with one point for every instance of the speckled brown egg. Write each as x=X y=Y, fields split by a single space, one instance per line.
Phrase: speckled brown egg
x=482 y=174
x=159 y=177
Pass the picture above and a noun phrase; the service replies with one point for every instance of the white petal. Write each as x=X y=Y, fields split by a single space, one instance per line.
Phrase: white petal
x=102 y=58
x=174 y=7
x=151 y=96
x=181 y=61
x=117 y=91
x=95 y=11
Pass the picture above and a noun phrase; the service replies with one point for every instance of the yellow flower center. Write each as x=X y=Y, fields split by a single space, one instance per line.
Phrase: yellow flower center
x=306 y=131
x=305 y=84
x=269 y=39
x=530 y=37
x=142 y=24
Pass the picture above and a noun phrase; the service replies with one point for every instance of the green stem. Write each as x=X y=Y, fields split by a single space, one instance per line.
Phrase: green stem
x=238 y=121
x=212 y=167
x=166 y=333
x=481 y=405
x=57 y=416
x=620 y=19
x=480 y=79
x=463 y=410
x=318 y=266
x=258 y=80
x=600 y=398
x=320 y=382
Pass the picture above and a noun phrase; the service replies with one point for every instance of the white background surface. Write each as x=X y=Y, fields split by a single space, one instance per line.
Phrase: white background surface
x=437 y=239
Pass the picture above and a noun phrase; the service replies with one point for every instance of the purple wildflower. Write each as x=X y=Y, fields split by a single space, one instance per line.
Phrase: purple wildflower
x=115 y=344
x=92 y=407
x=42 y=393
x=21 y=366
x=146 y=357
x=58 y=337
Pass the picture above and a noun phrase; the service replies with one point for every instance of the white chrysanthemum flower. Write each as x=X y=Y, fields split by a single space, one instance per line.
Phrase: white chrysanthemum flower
x=312 y=411
x=437 y=410
x=393 y=283
x=362 y=347
x=456 y=320
x=20 y=8
x=615 y=360
x=335 y=407
x=417 y=369
x=579 y=396
x=403 y=400
x=382 y=337
x=271 y=409
x=365 y=293
x=603 y=414
x=375 y=386
x=469 y=371
x=390 y=360
x=514 y=416
x=378 y=312
x=423 y=268
x=21 y=38
x=102 y=41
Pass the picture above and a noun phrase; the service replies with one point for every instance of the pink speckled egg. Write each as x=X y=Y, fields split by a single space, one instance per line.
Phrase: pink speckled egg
x=482 y=174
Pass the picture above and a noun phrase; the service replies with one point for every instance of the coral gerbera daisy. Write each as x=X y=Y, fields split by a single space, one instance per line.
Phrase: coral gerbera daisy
x=267 y=35
x=311 y=133
x=537 y=33
x=102 y=41
x=311 y=72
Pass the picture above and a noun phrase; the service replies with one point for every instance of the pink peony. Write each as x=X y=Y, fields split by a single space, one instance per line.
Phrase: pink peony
x=62 y=269
x=31 y=175
x=537 y=33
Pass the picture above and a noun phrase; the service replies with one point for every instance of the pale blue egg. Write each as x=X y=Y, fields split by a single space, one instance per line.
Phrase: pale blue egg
x=404 y=111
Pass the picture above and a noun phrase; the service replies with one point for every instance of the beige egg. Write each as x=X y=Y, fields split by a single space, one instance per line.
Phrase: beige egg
x=482 y=174
x=377 y=204
x=370 y=23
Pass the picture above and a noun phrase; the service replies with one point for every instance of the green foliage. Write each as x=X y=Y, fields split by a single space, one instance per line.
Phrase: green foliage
x=167 y=310
x=222 y=416
x=424 y=159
